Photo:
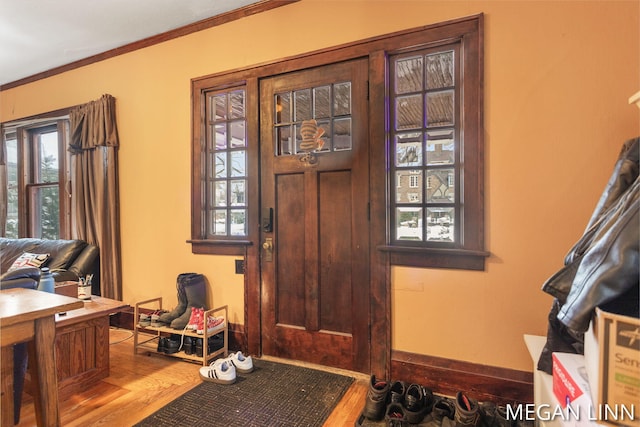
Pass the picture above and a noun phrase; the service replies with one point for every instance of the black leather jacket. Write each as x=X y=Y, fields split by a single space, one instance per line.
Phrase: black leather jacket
x=602 y=269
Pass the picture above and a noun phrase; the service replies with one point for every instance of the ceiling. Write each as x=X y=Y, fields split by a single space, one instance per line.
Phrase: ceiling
x=38 y=35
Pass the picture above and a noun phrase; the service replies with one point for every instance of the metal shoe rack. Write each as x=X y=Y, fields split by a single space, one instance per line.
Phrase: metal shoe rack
x=145 y=338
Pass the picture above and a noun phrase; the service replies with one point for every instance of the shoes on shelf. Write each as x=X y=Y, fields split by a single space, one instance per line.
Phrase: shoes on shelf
x=219 y=371
x=212 y=323
x=155 y=319
x=162 y=344
x=172 y=345
x=242 y=363
x=196 y=317
x=186 y=345
x=376 y=399
x=145 y=320
x=199 y=348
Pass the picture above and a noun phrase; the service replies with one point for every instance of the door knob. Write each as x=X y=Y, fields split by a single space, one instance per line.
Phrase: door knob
x=267 y=246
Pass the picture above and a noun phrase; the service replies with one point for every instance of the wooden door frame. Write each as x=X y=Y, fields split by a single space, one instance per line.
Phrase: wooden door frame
x=375 y=49
x=379 y=265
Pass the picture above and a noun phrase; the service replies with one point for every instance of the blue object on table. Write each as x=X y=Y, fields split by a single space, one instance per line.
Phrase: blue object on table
x=46 y=283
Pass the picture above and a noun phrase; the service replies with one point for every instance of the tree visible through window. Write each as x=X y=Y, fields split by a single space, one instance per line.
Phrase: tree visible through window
x=37 y=202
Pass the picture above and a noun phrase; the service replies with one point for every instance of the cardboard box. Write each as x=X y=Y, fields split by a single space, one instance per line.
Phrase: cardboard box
x=571 y=389
x=612 y=359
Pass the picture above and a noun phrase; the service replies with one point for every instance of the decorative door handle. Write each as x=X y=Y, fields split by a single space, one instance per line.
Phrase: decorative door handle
x=267 y=247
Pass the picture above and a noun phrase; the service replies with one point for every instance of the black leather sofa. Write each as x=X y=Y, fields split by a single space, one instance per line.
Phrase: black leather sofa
x=68 y=261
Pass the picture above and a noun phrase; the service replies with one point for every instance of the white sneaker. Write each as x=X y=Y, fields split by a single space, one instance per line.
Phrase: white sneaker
x=220 y=371
x=242 y=363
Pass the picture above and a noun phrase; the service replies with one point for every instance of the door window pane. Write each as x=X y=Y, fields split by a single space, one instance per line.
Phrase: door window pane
x=328 y=105
x=284 y=142
x=322 y=102
x=342 y=99
x=341 y=134
x=302 y=104
x=283 y=107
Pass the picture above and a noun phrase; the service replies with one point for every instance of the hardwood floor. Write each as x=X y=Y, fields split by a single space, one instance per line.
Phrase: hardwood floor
x=138 y=385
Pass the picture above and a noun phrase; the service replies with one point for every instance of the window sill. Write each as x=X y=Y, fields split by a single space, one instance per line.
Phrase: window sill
x=219 y=247
x=461 y=259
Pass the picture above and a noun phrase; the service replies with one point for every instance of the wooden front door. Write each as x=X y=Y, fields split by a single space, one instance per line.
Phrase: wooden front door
x=315 y=225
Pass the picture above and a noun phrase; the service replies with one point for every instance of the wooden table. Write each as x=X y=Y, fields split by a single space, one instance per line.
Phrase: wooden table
x=29 y=315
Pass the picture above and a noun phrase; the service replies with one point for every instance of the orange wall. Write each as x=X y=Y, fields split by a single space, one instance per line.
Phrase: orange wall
x=558 y=76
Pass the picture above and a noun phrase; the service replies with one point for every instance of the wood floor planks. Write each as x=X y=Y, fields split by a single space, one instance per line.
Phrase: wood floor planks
x=139 y=385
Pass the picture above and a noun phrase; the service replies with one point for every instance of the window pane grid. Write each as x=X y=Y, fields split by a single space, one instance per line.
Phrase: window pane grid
x=329 y=105
x=427 y=202
x=225 y=195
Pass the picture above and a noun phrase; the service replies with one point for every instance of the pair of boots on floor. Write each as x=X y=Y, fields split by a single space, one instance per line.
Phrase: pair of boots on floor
x=401 y=405
x=192 y=293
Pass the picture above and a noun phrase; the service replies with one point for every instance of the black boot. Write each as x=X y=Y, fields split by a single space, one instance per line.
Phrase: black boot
x=467 y=411
x=186 y=346
x=182 y=300
x=195 y=289
x=376 y=400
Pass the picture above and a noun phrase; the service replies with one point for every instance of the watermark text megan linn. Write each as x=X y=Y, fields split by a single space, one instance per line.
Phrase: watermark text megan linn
x=545 y=412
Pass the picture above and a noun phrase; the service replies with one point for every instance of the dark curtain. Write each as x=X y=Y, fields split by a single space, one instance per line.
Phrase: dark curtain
x=95 y=190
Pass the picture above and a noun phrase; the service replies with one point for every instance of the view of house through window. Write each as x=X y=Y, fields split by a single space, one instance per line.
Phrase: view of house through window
x=426 y=146
x=427 y=87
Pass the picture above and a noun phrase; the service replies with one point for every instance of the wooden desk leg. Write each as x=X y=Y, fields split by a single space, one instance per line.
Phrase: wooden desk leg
x=6 y=374
x=43 y=372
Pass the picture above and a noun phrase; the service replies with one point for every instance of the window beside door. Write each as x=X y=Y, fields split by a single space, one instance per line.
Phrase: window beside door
x=427 y=90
